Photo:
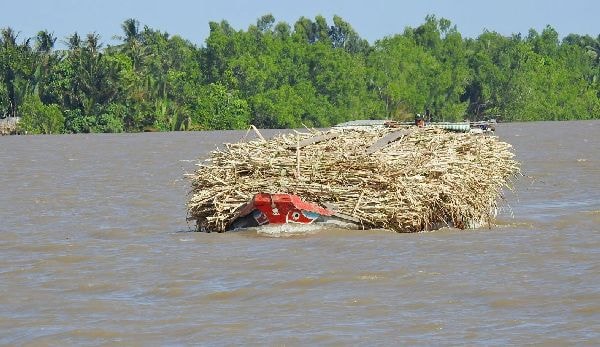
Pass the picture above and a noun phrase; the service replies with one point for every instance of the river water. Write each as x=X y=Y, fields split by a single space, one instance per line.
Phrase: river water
x=95 y=250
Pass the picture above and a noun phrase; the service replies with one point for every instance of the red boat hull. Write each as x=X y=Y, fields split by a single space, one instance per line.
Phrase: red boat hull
x=266 y=208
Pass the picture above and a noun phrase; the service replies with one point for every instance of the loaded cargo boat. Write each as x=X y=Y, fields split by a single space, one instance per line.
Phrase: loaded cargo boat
x=378 y=174
x=463 y=127
x=273 y=209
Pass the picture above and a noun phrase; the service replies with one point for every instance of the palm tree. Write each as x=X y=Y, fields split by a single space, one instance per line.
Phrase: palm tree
x=74 y=42
x=131 y=29
x=45 y=41
x=15 y=66
x=9 y=37
x=132 y=41
x=93 y=43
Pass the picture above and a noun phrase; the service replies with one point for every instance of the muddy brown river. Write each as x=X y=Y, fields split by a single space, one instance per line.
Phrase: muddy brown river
x=95 y=250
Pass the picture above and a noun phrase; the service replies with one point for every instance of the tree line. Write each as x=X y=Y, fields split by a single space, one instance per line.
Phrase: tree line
x=274 y=75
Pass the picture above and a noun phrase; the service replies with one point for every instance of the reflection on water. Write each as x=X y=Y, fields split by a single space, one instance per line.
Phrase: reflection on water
x=94 y=249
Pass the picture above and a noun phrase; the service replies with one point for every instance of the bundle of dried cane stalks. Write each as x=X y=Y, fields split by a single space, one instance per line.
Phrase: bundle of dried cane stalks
x=407 y=180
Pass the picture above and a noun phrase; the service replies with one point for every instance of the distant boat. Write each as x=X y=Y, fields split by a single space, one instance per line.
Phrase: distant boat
x=466 y=126
x=9 y=125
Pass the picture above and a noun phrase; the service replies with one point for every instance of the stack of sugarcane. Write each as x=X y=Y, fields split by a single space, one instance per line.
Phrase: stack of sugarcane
x=407 y=180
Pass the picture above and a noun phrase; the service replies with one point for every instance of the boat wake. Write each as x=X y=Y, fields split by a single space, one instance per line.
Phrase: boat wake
x=289 y=230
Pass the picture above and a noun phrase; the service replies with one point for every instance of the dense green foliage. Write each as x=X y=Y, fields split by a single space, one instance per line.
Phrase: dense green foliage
x=274 y=75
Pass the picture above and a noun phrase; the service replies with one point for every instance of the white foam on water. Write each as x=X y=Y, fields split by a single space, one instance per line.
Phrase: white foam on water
x=288 y=229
